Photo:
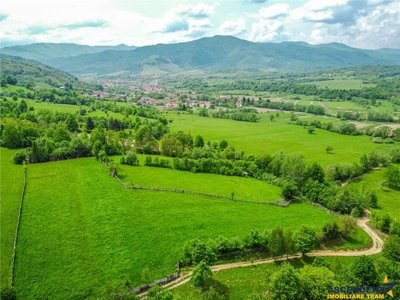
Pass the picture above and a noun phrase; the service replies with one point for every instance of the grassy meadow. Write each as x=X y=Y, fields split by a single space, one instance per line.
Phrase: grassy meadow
x=273 y=137
x=388 y=199
x=243 y=188
x=82 y=234
x=11 y=179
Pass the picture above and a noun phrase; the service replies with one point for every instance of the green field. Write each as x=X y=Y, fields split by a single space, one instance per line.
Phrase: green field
x=243 y=188
x=273 y=137
x=388 y=199
x=11 y=178
x=66 y=108
x=82 y=234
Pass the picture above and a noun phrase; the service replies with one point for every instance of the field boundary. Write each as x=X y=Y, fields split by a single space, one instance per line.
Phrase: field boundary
x=21 y=202
x=279 y=202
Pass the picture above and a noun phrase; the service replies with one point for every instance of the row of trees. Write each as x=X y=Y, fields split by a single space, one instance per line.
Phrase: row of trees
x=247 y=115
x=276 y=242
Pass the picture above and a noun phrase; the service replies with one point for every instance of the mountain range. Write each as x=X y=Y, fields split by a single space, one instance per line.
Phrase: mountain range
x=206 y=55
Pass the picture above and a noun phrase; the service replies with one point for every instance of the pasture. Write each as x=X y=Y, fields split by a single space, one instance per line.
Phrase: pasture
x=275 y=136
x=83 y=235
x=388 y=199
x=11 y=178
x=243 y=188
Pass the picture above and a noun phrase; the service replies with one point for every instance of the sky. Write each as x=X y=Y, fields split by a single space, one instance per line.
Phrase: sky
x=366 y=24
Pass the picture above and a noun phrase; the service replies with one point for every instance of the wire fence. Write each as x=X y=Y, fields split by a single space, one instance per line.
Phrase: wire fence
x=21 y=202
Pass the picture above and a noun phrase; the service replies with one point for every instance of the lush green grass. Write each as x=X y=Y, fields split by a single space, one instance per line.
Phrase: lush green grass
x=272 y=137
x=82 y=233
x=12 y=179
x=66 y=108
x=388 y=199
x=243 y=188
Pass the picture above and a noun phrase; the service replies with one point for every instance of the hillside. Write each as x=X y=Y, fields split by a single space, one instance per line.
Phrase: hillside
x=216 y=54
x=44 y=52
x=36 y=74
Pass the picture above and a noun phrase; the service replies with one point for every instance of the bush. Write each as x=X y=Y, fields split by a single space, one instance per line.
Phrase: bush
x=8 y=293
x=20 y=157
x=377 y=140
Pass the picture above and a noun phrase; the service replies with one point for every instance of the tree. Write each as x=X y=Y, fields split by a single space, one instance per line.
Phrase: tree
x=222 y=145
x=197 y=251
x=328 y=149
x=89 y=124
x=271 y=117
x=289 y=190
x=348 y=225
x=315 y=172
x=364 y=270
x=391 y=248
x=285 y=283
x=72 y=124
x=23 y=107
x=276 y=243
x=320 y=261
x=392 y=176
x=306 y=239
x=158 y=293
x=311 y=129
x=199 y=142
x=330 y=231
x=290 y=246
x=316 y=281
x=200 y=274
x=131 y=159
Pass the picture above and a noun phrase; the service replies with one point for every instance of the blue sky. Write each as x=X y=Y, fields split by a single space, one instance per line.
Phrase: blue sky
x=368 y=24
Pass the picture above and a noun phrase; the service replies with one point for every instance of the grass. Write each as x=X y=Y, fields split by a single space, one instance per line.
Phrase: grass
x=388 y=199
x=273 y=137
x=82 y=234
x=243 y=188
x=65 y=108
x=11 y=177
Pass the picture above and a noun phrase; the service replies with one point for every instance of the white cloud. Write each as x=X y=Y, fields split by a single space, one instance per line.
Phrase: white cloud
x=233 y=27
x=267 y=30
x=274 y=11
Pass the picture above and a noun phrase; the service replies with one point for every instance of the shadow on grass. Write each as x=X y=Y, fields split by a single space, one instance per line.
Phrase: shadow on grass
x=218 y=287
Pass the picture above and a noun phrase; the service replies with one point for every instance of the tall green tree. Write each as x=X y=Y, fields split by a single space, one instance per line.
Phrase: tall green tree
x=89 y=124
x=72 y=124
x=364 y=270
x=199 y=142
x=392 y=176
x=290 y=246
x=276 y=243
x=286 y=284
x=200 y=274
x=316 y=281
x=306 y=239
x=391 y=248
